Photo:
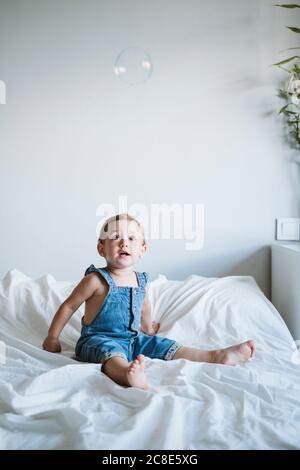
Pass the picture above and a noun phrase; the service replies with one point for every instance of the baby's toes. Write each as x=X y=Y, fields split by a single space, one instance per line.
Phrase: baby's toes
x=253 y=347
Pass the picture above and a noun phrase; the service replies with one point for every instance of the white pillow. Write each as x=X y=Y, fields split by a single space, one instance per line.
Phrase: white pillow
x=216 y=312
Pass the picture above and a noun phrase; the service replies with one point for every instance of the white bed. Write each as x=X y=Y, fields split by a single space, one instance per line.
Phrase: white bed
x=50 y=401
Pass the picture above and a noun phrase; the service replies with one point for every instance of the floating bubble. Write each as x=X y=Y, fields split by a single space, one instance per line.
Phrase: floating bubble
x=133 y=66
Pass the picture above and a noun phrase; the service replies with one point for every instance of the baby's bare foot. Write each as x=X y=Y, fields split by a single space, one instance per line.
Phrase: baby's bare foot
x=136 y=373
x=235 y=354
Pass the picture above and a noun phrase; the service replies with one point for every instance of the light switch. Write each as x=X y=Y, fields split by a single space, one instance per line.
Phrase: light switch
x=288 y=229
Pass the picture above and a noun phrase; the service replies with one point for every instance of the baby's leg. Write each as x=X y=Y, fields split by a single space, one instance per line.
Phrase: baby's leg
x=230 y=356
x=123 y=373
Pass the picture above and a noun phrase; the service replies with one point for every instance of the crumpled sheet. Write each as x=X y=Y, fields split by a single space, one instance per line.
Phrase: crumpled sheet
x=51 y=401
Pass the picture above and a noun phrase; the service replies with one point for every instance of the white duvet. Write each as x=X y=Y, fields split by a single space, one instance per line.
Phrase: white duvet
x=50 y=401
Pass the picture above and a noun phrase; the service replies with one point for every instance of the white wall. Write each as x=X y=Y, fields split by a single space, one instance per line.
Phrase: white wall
x=203 y=129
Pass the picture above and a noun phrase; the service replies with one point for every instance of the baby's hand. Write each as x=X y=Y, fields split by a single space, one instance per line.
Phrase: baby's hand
x=154 y=329
x=52 y=344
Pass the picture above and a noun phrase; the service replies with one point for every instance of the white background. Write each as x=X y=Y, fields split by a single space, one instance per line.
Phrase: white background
x=202 y=129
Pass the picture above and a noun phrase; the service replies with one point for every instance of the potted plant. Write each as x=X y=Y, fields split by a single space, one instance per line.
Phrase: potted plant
x=291 y=91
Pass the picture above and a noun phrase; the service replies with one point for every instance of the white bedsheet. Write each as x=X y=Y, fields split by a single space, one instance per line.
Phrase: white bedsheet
x=50 y=401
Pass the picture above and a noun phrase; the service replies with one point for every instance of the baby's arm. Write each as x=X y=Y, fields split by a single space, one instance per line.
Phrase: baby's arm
x=83 y=291
x=147 y=325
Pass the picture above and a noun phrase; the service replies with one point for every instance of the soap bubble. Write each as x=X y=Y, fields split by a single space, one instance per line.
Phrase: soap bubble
x=133 y=66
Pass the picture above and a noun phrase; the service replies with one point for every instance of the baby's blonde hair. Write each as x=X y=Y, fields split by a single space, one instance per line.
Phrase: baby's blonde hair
x=116 y=218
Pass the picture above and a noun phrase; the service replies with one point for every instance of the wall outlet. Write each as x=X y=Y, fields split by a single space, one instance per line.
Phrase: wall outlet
x=288 y=229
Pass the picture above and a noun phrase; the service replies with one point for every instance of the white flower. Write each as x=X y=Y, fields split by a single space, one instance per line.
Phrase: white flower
x=295 y=100
x=293 y=84
x=296 y=87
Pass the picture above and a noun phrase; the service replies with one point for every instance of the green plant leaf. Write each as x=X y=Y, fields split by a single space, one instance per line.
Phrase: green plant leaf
x=289 y=49
x=295 y=30
x=288 y=5
x=282 y=110
x=294 y=69
x=285 y=61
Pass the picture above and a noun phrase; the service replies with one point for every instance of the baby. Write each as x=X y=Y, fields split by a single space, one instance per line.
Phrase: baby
x=117 y=330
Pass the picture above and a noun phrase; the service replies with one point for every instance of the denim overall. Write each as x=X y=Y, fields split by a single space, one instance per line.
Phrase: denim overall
x=115 y=330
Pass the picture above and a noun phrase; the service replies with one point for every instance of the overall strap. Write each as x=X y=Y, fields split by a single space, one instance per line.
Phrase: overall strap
x=143 y=278
x=103 y=272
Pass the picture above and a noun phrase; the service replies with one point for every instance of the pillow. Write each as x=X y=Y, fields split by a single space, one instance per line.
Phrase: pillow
x=216 y=312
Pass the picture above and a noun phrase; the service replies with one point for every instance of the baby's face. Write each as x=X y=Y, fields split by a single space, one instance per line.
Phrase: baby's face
x=124 y=244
